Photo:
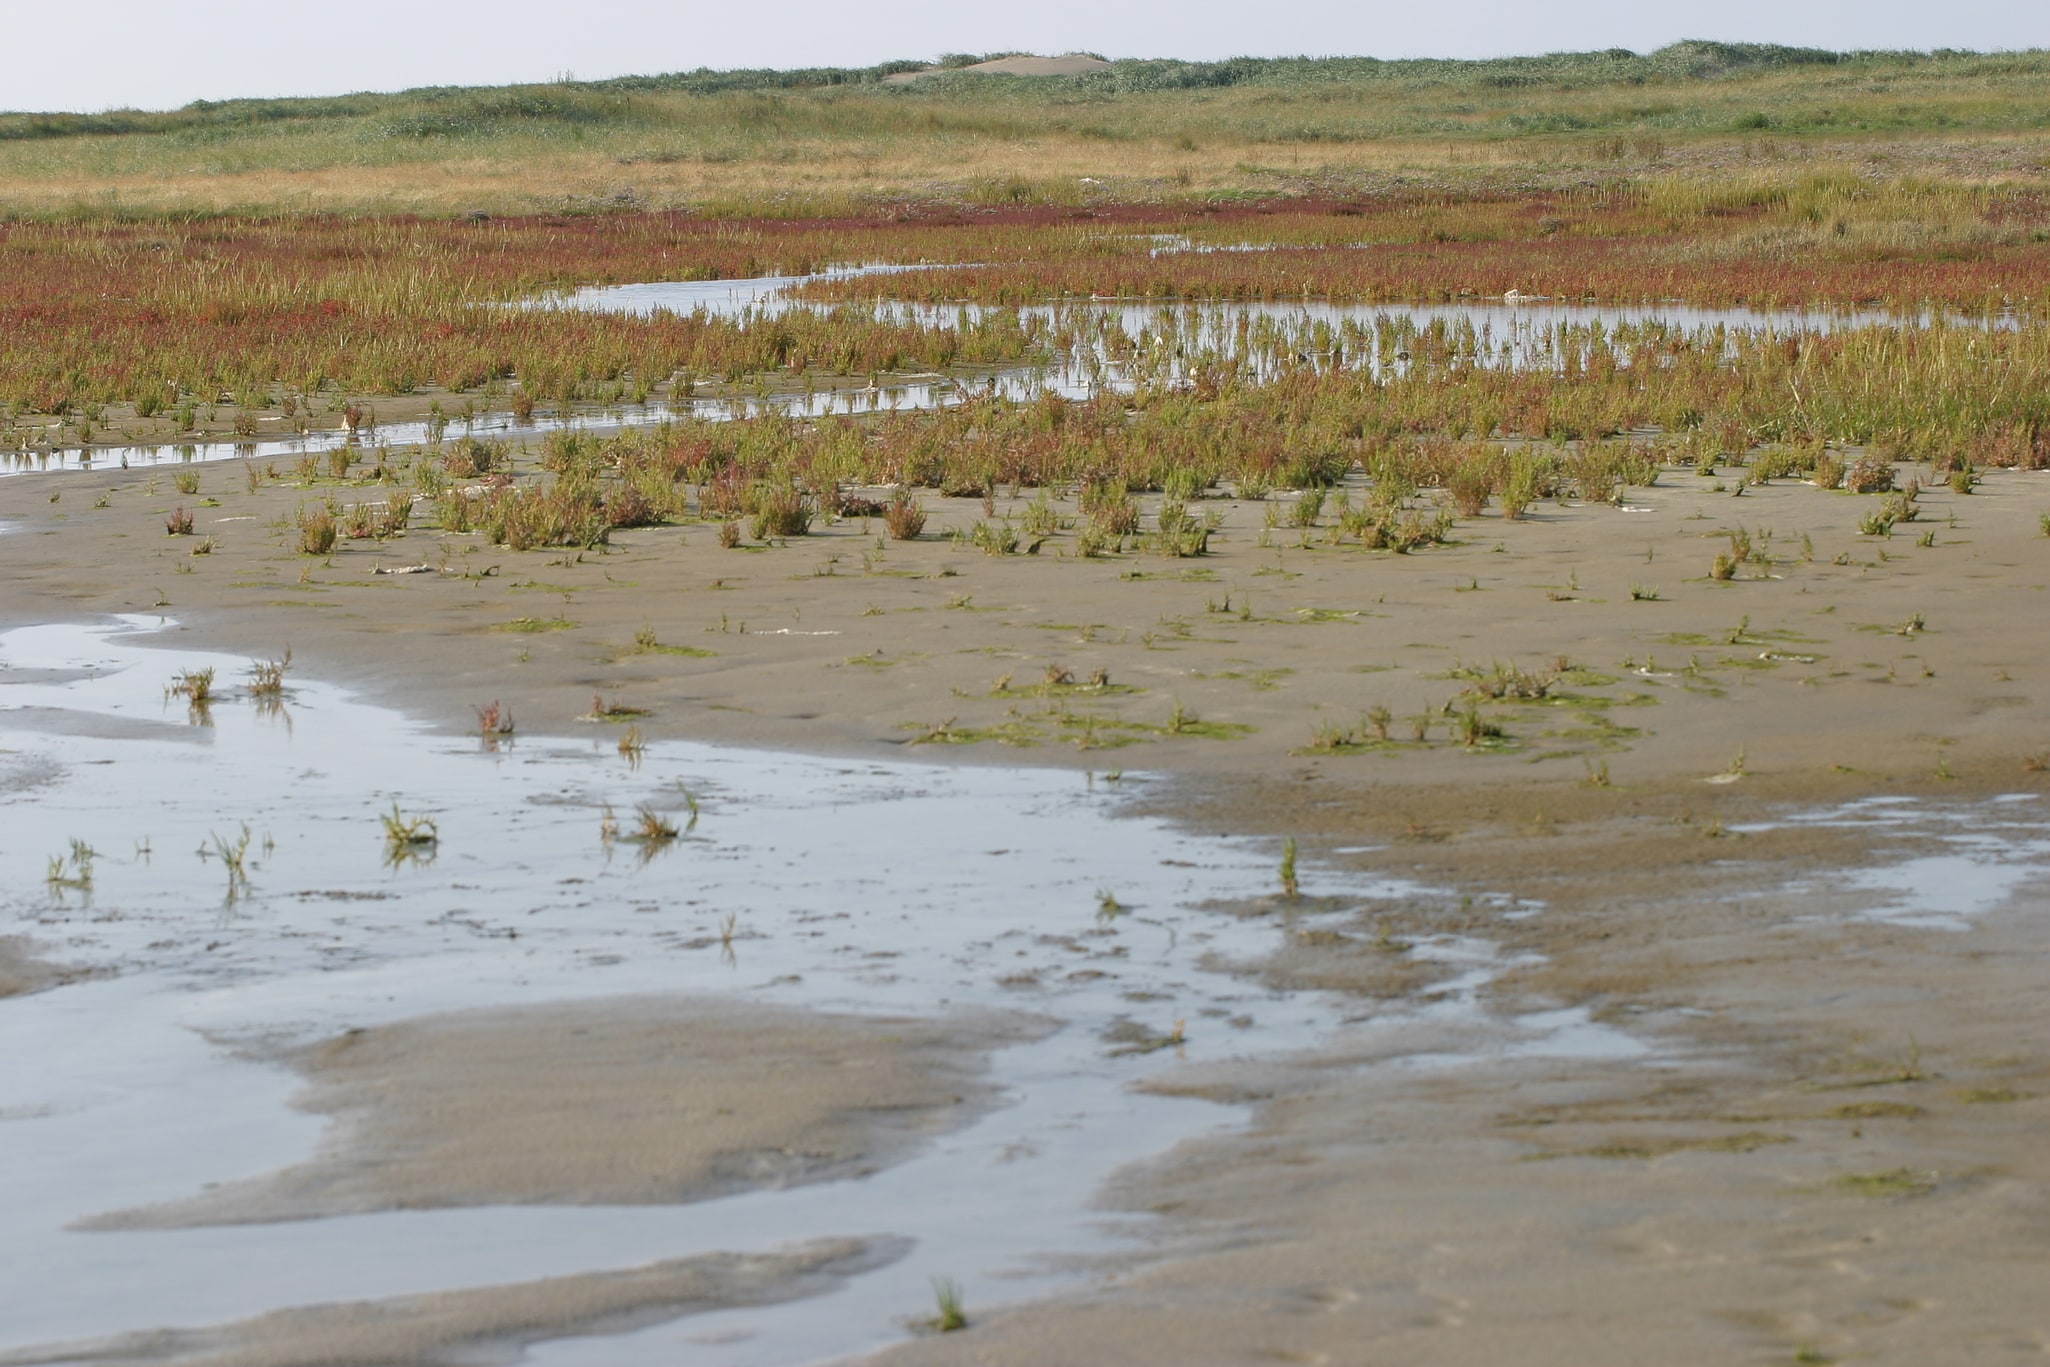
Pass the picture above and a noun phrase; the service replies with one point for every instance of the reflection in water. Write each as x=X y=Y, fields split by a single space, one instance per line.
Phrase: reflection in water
x=376 y=871
x=1092 y=346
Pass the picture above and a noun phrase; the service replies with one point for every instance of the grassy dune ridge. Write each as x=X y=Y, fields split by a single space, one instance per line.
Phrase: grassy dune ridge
x=838 y=141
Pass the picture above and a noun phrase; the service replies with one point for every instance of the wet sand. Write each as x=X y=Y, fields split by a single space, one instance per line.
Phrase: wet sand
x=490 y=1325
x=1835 y=1149
x=1832 y=1153
x=1893 y=661
x=619 y=1102
x=21 y=971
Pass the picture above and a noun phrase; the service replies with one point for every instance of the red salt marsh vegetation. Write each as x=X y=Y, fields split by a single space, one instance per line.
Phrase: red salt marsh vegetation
x=157 y=315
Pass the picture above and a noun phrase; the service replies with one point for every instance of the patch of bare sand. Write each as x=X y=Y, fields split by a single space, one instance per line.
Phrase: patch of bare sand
x=1069 y=64
x=490 y=1325
x=636 y=1101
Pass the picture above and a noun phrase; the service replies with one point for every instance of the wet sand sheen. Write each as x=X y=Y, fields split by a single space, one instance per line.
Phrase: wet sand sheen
x=1708 y=1205
x=620 y=1102
x=489 y=1325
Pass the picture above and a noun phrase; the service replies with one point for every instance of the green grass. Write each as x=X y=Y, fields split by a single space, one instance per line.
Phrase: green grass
x=949 y=1314
x=807 y=138
x=534 y=625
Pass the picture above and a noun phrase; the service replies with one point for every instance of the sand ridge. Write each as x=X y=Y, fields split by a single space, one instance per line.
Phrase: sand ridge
x=614 y=1102
x=485 y=1326
x=1069 y=64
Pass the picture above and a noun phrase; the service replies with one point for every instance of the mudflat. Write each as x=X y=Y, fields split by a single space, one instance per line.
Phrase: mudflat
x=1829 y=1150
x=1829 y=1147
x=1582 y=634
x=20 y=970
x=488 y=1324
x=619 y=1102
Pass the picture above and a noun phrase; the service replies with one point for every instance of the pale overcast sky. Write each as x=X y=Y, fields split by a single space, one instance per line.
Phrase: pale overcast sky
x=102 y=54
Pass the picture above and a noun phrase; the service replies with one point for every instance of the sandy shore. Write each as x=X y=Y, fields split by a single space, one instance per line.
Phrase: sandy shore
x=1835 y=1149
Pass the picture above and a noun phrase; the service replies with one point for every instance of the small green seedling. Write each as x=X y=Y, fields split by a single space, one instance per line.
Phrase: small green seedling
x=950 y=1316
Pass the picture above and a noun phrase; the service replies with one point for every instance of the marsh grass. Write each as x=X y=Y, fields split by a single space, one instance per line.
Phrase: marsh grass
x=781 y=514
x=605 y=709
x=647 y=643
x=234 y=857
x=196 y=686
x=267 y=677
x=1056 y=721
x=72 y=871
x=1478 y=732
x=1370 y=734
x=1507 y=682
x=632 y=747
x=1060 y=682
x=949 y=1315
x=651 y=827
x=318 y=529
x=904 y=517
x=494 y=720
x=408 y=838
x=651 y=834
x=991 y=538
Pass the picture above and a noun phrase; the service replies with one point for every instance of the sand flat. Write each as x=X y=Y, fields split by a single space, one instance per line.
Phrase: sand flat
x=1841 y=652
x=1839 y=1152
x=487 y=1325
x=1833 y=1151
x=619 y=1102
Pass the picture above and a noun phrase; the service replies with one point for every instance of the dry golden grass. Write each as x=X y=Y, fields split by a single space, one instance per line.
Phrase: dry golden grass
x=826 y=178
x=827 y=149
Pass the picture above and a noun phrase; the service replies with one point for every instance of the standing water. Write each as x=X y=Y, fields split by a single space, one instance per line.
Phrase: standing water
x=858 y=887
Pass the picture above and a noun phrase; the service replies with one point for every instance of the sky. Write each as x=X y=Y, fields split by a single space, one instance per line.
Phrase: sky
x=92 y=55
